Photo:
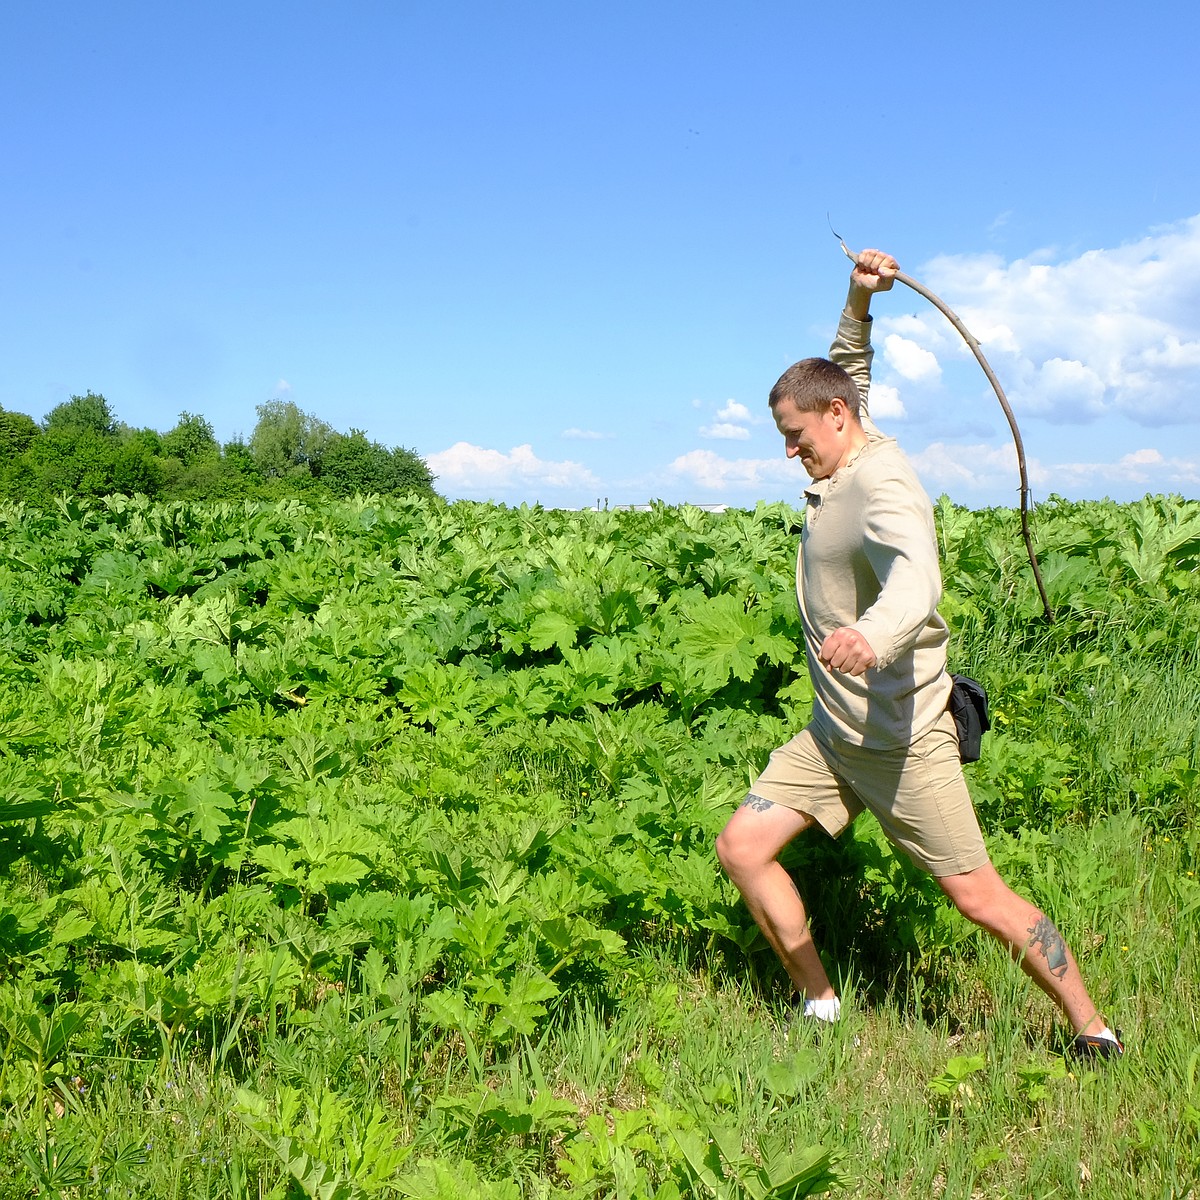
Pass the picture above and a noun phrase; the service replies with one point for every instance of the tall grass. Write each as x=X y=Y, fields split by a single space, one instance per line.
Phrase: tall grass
x=952 y=1089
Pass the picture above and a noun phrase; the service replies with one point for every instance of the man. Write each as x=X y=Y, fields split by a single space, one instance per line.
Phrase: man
x=868 y=585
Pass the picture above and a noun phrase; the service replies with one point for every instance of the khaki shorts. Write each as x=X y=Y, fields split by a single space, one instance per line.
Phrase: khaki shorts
x=917 y=793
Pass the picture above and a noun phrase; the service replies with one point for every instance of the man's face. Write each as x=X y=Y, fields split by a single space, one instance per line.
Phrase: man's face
x=817 y=439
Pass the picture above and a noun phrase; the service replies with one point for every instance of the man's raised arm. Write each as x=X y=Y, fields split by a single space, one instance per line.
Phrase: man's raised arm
x=874 y=272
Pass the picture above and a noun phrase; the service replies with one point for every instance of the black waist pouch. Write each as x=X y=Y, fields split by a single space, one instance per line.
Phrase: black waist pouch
x=969 y=708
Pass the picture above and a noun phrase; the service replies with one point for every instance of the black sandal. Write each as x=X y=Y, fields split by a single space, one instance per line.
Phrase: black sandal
x=1092 y=1046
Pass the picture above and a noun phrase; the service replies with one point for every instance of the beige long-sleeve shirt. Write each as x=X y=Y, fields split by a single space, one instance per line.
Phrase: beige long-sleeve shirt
x=868 y=560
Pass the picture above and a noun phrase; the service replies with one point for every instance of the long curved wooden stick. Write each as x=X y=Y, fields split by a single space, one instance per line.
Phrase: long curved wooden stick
x=952 y=317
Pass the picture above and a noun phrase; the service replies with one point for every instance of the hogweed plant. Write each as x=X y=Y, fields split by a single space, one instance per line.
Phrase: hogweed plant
x=367 y=848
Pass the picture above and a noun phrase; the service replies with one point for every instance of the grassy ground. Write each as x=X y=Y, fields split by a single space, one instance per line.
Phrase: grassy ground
x=949 y=1083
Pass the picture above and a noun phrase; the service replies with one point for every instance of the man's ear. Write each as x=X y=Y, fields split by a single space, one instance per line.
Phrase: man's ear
x=840 y=410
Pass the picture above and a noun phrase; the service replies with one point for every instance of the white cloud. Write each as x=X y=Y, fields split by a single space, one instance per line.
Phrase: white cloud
x=980 y=468
x=998 y=338
x=884 y=403
x=473 y=469
x=1173 y=354
x=732 y=423
x=724 y=430
x=282 y=388
x=1061 y=386
x=586 y=435
x=944 y=467
x=1109 y=330
x=704 y=468
x=733 y=411
x=1148 y=468
x=909 y=360
x=910 y=325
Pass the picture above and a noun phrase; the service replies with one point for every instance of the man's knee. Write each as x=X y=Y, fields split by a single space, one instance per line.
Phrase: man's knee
x=728 y=850
x=737 y=849
x=755 y=835
x=980 y=895
x=971 y=903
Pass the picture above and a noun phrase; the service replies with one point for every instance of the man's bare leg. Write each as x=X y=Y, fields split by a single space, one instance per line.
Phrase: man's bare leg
x=749 y=848
x=983 y=897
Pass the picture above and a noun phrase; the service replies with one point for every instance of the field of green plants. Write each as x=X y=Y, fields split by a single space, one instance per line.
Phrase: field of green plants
x=366 y=850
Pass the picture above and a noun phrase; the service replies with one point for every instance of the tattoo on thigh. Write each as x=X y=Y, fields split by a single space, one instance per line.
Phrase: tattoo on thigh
x=1050 y=942
x=757 y=803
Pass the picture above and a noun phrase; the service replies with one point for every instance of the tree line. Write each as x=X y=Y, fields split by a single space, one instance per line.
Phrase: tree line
x=80 y=448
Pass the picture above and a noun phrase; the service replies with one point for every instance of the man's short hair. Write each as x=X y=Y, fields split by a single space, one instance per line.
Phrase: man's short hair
x=813 y=384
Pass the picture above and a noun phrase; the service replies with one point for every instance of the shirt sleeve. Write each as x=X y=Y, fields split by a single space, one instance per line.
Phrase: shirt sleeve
x=852 y=351
x=901 y=546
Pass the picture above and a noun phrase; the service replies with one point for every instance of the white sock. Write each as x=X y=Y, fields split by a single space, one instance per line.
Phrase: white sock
x=1107 y=1033
x=823 y=1010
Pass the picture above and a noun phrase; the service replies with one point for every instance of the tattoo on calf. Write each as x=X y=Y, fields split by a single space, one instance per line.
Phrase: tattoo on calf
x=1050 y=942
x=757 y=803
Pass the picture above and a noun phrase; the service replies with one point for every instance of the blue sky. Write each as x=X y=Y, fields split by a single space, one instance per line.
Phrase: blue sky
x=564 y=250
